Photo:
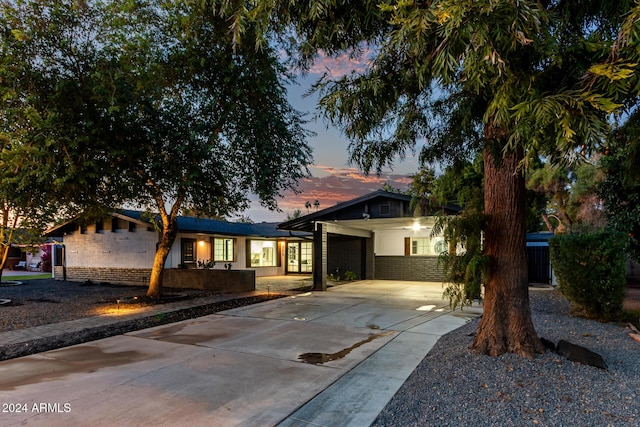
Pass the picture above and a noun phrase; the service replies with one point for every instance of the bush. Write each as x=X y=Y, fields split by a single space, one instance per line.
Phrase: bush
x=591 y=271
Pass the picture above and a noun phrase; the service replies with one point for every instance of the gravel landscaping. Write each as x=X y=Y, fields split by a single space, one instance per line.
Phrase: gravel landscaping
x=452 y=386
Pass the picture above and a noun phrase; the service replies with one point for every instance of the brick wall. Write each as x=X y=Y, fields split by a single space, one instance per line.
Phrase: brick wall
x=127 y=276
x=414 y=268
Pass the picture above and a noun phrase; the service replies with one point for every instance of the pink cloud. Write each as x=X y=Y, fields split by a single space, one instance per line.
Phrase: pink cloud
x=341 y=185
x=341 y=65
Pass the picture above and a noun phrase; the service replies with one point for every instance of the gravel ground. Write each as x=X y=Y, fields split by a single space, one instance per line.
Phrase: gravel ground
x=44 y=301
x=452 y=386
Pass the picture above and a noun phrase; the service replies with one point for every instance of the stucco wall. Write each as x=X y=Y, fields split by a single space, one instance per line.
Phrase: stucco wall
x=391 y=242
x=214 y=280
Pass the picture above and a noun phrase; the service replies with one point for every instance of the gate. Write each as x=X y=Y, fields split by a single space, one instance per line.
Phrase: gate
x=539 y=265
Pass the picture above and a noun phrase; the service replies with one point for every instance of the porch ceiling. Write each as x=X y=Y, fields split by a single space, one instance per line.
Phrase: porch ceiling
x=371 y=225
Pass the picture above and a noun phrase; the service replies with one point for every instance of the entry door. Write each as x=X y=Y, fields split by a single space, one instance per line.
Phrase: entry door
x=306 y=257
x=299 y=257
x=293 y=257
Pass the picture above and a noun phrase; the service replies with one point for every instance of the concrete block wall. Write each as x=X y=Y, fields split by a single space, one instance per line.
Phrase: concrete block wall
x=106 y=248
x=413 y=268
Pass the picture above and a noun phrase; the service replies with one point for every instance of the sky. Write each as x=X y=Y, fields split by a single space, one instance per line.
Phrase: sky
x=332 y=179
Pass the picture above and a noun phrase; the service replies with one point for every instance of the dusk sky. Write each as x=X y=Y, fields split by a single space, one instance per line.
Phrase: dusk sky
x=332 y=180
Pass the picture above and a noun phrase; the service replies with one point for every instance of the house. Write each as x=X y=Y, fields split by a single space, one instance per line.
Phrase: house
x=121 y=248
x=375 y=236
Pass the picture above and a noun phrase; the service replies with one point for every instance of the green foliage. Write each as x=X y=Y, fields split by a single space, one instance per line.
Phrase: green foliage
x=591 y=271
x=350 y=275
x=205 y=264
x=148 y=103
x=620 y=189
x=464 y=264
x=570 y=195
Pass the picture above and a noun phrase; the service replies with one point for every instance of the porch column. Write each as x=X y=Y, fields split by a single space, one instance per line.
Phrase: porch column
x=320 y=257
x=369 y=257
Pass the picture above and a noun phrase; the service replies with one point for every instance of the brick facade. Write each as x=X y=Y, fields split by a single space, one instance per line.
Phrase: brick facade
x=126 y=276
x=413 y=268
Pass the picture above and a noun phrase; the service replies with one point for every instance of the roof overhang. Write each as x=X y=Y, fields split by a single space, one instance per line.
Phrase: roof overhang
x=366 y=227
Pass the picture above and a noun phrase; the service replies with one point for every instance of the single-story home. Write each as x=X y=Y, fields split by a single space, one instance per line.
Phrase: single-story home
x=375 y=236
x=121 y=248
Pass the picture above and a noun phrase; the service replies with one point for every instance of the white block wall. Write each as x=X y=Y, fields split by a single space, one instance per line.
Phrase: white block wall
x=119 y=249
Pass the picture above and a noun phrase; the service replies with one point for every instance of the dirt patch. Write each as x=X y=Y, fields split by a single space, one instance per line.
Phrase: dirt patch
x=632 y=298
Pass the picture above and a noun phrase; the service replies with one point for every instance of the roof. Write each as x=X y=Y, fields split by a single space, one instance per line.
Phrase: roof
x=187 y=224
x=190 y=224
x=541 y=236
x=356 y=209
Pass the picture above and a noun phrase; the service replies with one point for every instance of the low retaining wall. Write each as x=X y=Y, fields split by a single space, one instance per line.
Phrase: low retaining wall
x=125 y=276
x=213 y=280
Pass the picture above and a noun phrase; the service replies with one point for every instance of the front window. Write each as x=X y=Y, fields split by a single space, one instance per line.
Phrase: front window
x=264 y=253
x=428 y=246
x=223 y=249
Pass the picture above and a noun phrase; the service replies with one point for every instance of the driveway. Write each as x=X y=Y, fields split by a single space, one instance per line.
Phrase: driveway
x=322 y=358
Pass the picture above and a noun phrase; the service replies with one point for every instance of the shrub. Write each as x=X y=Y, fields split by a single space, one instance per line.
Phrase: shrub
x=350 y=275
x=590 y=269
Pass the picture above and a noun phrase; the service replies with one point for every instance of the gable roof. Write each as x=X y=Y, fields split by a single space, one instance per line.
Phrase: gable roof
x=356 y=209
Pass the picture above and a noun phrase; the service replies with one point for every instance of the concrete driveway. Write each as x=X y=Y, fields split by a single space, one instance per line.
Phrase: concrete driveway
x=330 y=358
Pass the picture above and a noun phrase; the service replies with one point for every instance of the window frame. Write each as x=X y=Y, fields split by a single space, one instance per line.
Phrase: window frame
x=225 y=257
x=251 y=257
x=184 y=243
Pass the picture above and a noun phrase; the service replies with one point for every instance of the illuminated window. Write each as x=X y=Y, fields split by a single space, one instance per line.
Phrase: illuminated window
x=428 y=246
x=263 y=253
x=223 y=249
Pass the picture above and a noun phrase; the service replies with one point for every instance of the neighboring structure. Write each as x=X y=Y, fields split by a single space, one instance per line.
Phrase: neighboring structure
x=375 y=236
x=538 y=261
x=121 y=248
x=18 y=259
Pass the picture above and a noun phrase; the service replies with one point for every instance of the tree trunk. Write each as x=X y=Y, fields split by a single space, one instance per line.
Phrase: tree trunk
x=506 y=324
x=169 y=233
x=4 y=254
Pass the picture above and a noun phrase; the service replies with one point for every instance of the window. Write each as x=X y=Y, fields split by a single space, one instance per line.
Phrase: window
x=263 y=253
x=223 y=249
x=428 y=246
x=385 y=210
x=188 y=255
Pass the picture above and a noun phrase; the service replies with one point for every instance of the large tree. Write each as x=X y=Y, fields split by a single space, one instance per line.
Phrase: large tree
x=504 y=78
x=151 y=103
